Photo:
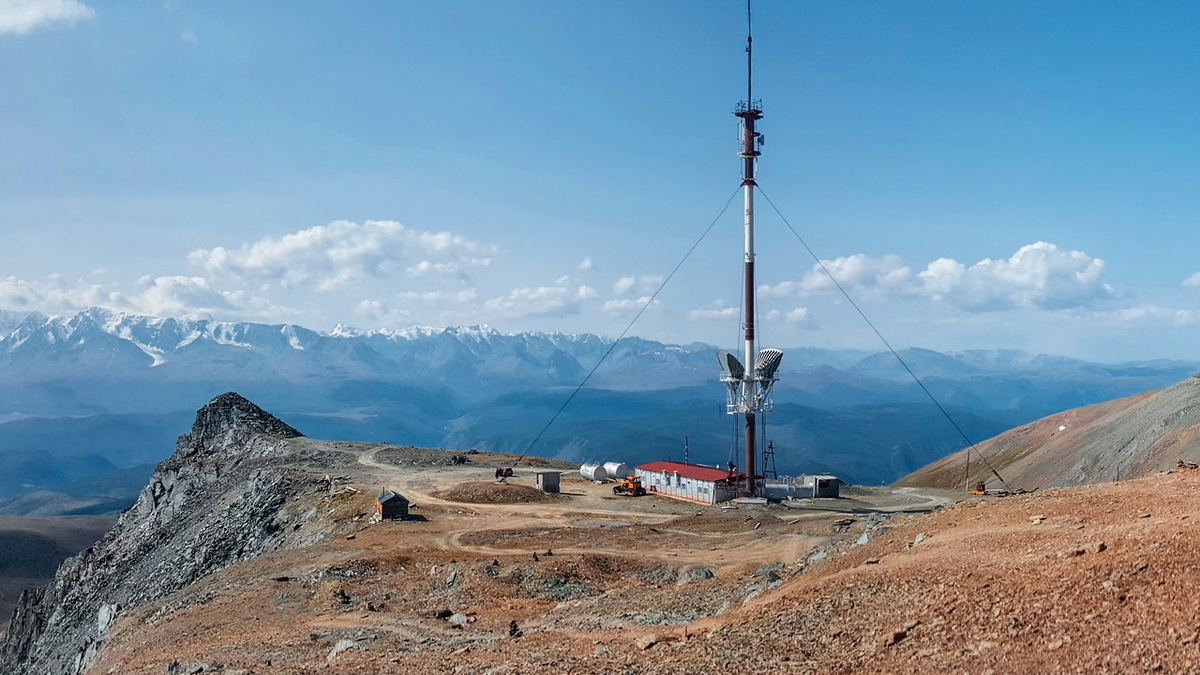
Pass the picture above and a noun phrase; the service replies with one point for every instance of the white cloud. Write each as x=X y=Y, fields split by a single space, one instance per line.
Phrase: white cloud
x=1153 y=316
x=188 y=36
x=542 y=301
x=786 y=289
x=800 y=316
x=21 y=16
x=628 y=305
x=646 y=283
x=586 y=293
x=717 y=311
x=161 y=296
x=377 y=313
x=726 y=313
x=1192 y=281
x=195 y=296
x=1038 y=276
x=585 y=264
x=178 y=295
x=797 y=317
x=335 y=255
x=875 y=275
x=52 y=294
x=439 y=297
x=452 y=268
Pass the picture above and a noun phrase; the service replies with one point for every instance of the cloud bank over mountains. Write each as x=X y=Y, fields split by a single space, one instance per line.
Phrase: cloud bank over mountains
x=385 y=275
x=1037 y=276
x=343 y=253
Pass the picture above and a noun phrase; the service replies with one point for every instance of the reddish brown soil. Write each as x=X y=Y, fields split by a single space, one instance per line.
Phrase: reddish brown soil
x=1083 y=580
x=1119 y=439
x=491 y=493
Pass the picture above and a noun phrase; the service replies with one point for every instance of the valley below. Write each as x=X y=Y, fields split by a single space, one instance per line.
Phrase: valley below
x=32 y=547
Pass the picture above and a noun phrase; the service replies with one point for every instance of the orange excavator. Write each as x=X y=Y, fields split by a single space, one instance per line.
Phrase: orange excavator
x=630 y=485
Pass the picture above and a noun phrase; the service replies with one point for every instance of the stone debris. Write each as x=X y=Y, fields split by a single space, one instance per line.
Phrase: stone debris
x=341 y=646
x=695 y=574
x=646 y=641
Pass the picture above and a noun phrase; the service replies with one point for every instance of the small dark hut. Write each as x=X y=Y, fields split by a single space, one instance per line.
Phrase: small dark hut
x=391 y=505
x=547 y=481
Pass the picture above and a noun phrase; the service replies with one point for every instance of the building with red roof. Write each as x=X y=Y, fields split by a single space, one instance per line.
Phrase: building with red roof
x=690 y=482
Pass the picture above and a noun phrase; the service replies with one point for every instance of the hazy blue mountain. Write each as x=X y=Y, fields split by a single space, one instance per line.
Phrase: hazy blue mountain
x=90 y=401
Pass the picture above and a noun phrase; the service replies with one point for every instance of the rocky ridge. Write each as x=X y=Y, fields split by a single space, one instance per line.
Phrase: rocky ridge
x=230 y=492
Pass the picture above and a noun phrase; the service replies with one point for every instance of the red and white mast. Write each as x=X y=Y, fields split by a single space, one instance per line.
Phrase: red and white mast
x=749 y=386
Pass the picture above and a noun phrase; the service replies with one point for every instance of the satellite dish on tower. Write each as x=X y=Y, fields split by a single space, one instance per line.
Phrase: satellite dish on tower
x=767 y=363
x=765 y=366
x=730 y=365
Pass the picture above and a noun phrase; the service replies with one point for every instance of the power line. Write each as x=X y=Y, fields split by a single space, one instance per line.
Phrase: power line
x=970 y=444
x=625 y=332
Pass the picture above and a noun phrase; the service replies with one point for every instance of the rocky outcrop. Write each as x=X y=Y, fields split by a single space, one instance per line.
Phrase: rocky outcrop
x=230 y=492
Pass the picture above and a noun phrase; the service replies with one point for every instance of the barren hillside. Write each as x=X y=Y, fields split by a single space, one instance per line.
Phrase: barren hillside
x=498 y=579
x=1115 y=440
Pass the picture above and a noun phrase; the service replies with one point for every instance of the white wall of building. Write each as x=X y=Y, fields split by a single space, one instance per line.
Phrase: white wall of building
x=682 y=487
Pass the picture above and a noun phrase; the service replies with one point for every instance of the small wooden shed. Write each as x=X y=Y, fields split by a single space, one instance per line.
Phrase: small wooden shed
x=548 y=481
x=391 y=505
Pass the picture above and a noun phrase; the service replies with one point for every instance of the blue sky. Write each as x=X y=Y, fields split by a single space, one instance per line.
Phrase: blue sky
x=1004 y=175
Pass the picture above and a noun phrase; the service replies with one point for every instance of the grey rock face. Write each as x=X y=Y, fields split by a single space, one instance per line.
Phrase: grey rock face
x=227 y=494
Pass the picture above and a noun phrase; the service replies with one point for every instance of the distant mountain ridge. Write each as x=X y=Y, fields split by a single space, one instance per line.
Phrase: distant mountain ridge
x=102 y=389
x=43 y=346
x=98 y=341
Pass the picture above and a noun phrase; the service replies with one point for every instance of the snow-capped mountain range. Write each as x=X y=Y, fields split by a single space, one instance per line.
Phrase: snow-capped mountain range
x=99 y=345
x=112 y=388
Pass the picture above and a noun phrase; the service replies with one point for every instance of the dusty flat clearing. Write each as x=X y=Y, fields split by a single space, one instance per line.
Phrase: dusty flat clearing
x=1089 y=580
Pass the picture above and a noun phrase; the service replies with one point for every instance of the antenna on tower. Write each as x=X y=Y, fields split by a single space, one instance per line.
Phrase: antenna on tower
x=749 y=380
x=749 y=55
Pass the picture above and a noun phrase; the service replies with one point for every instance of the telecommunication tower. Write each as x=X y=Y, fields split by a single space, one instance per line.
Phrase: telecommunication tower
x=749 y=387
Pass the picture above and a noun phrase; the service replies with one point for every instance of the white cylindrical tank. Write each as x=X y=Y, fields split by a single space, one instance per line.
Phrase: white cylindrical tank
x=777 y=491
x=617 y=470
x=593 y=472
